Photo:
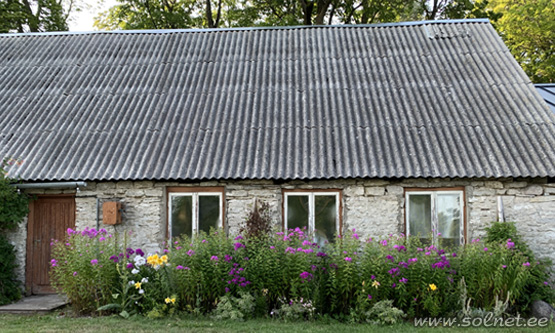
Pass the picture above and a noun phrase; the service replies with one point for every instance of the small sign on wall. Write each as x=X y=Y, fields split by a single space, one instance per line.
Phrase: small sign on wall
x=111 y=212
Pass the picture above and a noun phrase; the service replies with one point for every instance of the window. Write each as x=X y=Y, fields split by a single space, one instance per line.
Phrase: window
x=318 y=212
x=191 y=210
x=436 y=213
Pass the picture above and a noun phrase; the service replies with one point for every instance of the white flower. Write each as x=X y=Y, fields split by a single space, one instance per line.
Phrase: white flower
x=131 y=282
x=134 y=271
x=141 y=291
x=144 y=280
x=139 y=261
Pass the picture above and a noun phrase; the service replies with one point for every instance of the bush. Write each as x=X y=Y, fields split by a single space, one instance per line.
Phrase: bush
x=13 y=208
x=350 y=279
x=9 y=286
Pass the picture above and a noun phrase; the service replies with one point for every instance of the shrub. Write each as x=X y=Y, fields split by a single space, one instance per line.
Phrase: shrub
x=84 y=267
x=259 y=222
x=361 y=280
x=13 y=208
x=9 y=286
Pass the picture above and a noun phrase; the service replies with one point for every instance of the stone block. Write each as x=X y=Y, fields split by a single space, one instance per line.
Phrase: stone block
x=105 y=186
x=516 y=184
x=374 y=191
x=533 y=190
x=483 y=191
x=144 y=184
x=353 y=191
x=493 y=184
x=395 y=190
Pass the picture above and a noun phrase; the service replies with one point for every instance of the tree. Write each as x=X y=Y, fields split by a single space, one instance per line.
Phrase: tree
x=528 y=29
x=35 y=15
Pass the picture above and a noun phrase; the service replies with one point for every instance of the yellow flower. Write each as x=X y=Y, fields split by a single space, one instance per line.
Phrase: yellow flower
x=152 y=260
x=363 y=283
x=433 y=287
x=168 y=300
x=375 y=284
x=138 y=285
x=173 y=300
x=164 y=258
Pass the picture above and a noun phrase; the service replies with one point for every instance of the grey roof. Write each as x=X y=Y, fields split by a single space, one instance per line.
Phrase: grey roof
x=423 y=99
x=547 y=91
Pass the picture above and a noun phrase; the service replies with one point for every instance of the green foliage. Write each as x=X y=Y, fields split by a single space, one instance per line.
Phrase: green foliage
x=235 y=308
x=9 y=286
x=384 y=313
x=528 y=29
x=350 y=279
x=14 y=207
x=35 y=15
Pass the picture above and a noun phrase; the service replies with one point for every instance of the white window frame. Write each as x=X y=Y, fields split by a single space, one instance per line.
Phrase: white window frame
x=434 y=216
x=311 y=195
x=195 y=196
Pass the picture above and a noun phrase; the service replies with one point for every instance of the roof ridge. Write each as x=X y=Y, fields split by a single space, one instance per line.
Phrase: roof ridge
x=205 y=30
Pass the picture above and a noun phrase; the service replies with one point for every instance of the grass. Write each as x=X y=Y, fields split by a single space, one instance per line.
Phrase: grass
x=59 y=322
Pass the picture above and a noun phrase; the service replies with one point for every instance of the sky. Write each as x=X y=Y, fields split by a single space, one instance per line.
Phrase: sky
x=83 y=20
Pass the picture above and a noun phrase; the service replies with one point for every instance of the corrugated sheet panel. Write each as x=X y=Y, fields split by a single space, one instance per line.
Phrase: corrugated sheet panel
x=547 y=91
x=439 y=99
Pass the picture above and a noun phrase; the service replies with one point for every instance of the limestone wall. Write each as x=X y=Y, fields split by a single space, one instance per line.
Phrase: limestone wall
x=374 y=207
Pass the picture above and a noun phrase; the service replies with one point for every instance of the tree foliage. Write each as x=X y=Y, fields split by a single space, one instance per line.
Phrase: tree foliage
x=35 y=15
x=528 y=29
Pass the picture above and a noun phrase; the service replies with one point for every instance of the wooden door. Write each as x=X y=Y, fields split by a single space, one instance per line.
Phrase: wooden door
x=49 y=218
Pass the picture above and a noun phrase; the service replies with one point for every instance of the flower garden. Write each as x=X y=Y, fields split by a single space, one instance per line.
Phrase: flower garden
x=287 y=276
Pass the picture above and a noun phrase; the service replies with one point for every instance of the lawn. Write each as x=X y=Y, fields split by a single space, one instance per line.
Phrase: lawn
x=58 y=322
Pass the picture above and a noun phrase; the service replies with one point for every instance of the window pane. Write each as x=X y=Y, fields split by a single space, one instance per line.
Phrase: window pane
x=420 y=219
x=182 y=216
x=208 y=212
x=449 y=218
x=297 y=211
x=325 y=218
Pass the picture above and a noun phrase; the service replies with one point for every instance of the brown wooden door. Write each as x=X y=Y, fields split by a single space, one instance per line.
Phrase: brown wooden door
x=49 y=218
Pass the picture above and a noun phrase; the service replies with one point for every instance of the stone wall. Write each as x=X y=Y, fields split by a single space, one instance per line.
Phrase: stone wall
x=374 y=207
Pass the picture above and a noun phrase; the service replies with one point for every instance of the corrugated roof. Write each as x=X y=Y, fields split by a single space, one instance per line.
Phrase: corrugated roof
x=426 y=99
x=547 y=91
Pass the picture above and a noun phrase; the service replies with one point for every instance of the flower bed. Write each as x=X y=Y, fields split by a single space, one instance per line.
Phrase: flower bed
x=287 y=275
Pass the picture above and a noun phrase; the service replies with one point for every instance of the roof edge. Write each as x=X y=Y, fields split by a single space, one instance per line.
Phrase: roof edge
x=170 y=31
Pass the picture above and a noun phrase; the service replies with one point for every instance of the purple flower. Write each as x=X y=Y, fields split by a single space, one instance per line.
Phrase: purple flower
x=373 y=277
x=485 y=249
x=54 y=262
x=403 y=264
x=101 y=239
x=399 y=248
x=289 y=250
x=306 y=276
x=420 y=249
x=237 y=246
x=238 y=237
x=526 y=264
x=203 y=241
x=510 y=244
x=179 y=267
x=129 y=265
x=355 y=236
x=369 y=296
x=246 y=258
x=394 y=285
x=546 y=283
x=272 y=247
x=69 y=231
x=308 y=250
x=394 y=271
x=404 y=280
x=190 y=253
x=412 y=260
x=454 y=254
x=214 y=258
x=313 y=268
x=348 y=259
x=306 y=243
x=94 y=262
x=504 y=266
x=384 y=242
x=227 y=289
x=228 y=258
x=428 y=253
x=74 y=273
x=114 y=259
x=139 y=252
x=321 y=254
x=129 y=250
x=389 y=257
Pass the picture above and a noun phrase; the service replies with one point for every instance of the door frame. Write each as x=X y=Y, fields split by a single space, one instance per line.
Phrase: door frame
x=30 y=267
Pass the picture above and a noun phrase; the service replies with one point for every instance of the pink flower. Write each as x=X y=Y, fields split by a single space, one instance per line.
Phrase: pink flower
x=485 y=249
x=369 y=296
x=526 y=264
x=348 y=259
x=94 y=262
x=74 y=273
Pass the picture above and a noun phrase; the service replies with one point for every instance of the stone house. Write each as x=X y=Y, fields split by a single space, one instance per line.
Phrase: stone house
x=389 y=128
